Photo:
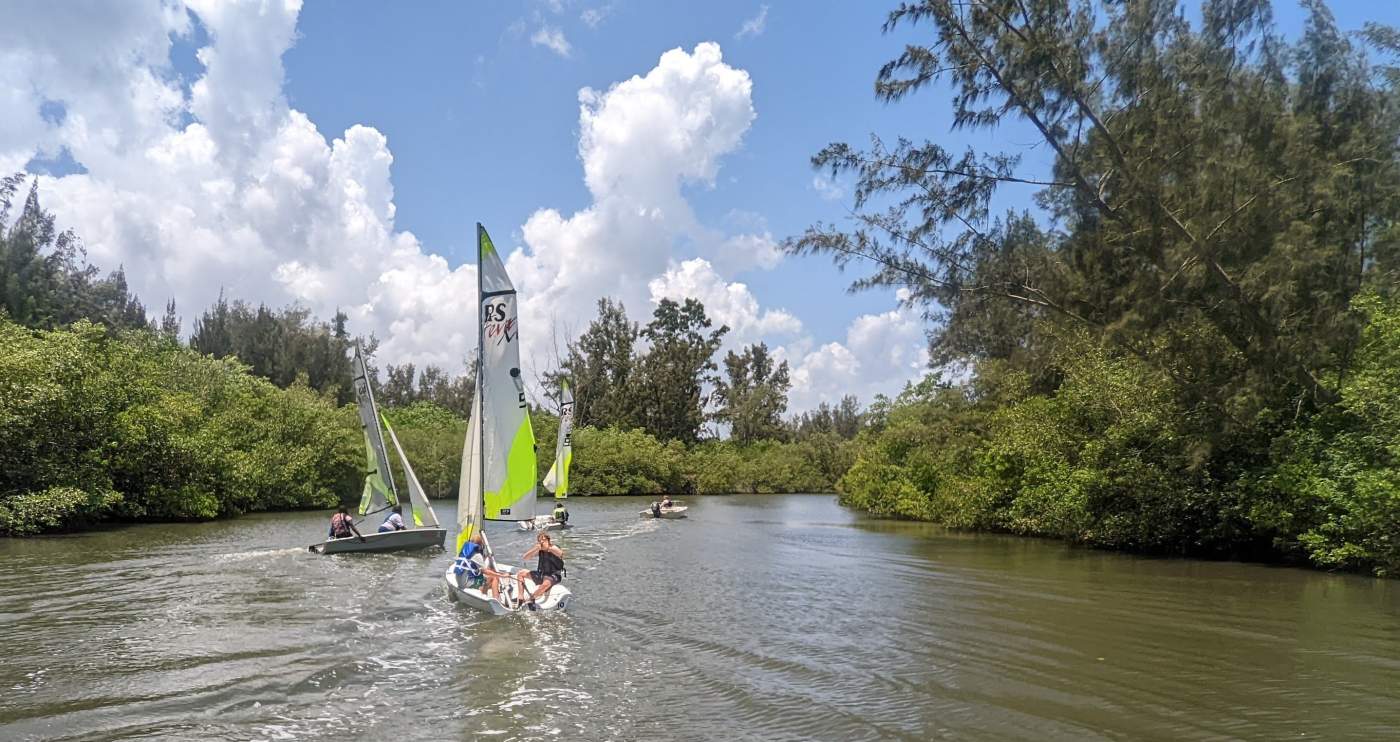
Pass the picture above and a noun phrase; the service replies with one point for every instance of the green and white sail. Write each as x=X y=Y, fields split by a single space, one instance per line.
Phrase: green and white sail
x=379 y=488
x=422 y=510
x=557 y=480
x=505 y=460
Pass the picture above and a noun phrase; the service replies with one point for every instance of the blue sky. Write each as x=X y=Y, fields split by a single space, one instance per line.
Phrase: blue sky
x=337 y=154
x=484 y=125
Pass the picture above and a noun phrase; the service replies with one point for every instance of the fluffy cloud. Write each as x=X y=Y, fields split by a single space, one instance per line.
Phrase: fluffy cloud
x=640 y=142
x=222 y=186
x=725 y=303
x=216 y=183
x=881 y=352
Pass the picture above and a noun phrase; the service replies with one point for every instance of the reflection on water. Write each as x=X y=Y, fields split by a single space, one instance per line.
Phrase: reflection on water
x=782 y=617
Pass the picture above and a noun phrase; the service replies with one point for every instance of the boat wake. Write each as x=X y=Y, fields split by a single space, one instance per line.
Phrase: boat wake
x=243 y=556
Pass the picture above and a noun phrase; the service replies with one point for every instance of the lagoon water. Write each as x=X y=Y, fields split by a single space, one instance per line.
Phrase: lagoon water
x=760 y=617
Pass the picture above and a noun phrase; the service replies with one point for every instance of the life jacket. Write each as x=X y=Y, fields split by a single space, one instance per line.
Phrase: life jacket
x=340 y=525
x=550 y=564
x=469 y=561
x=561 y=515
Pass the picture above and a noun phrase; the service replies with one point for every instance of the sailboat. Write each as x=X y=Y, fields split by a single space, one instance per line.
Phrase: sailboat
x=498 y=455
x=557 y=480
x=380 y=493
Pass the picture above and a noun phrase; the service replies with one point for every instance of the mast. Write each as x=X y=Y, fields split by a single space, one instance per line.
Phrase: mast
x=480 y=372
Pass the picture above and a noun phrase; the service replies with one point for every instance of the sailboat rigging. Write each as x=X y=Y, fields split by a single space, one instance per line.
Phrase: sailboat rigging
x=380 y=493
x=557 y=480
x=498 y=456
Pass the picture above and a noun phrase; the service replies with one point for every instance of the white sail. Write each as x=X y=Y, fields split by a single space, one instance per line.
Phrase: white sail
x=422 y=509
x=379 y=480
x=557 y=480
x=508 y=469
x=469 y=503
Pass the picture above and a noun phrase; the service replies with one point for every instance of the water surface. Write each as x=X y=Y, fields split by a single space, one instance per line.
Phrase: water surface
x=760 y=617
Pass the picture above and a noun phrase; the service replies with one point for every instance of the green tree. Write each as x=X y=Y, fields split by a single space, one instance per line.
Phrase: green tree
x=676 y=370
x=1220 y=196
x=753 y=395
x=601 y=365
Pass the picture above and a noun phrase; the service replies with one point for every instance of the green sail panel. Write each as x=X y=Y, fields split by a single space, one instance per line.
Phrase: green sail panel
x=422 y=509
x=508 y=468
x=379 y=484
x=376 y=493
x=557 y=480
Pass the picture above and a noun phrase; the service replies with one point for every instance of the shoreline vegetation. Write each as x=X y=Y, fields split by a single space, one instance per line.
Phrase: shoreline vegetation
x=131 y=427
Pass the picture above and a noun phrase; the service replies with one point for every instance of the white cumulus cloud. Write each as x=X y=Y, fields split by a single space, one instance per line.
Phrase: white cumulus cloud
x=223 y=187
x=640 y=142
x=727 y=303
x=215 y=183
x=881 y=352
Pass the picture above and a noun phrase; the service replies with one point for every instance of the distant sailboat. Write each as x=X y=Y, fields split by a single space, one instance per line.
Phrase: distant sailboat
x=557 y=480
x=379 y=493
x=498 y=456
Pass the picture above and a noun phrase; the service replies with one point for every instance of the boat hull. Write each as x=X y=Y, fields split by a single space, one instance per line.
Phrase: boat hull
x=557 y=599
x=411 y=539
x=543 y=523
x=667 y=513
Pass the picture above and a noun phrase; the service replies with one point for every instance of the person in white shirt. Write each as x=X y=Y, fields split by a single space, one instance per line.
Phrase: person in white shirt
x=394 y=522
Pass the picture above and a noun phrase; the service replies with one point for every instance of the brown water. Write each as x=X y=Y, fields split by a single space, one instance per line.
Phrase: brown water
x=762 y=617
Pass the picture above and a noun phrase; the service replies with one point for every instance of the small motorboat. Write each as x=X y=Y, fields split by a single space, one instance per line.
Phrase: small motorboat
x=543 y=523
x=675 y=511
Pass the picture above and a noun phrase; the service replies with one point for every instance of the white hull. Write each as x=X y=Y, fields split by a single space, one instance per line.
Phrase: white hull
x=542 y=523
x=407 y=540
x=557 y=599
x=669 y=513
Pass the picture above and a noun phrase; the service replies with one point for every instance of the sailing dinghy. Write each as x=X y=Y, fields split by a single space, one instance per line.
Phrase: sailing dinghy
x=557 y=480
x=498 y=456
x=380 y=493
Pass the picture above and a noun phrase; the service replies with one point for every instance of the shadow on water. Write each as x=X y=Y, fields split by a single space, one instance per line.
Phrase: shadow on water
x=759 y=617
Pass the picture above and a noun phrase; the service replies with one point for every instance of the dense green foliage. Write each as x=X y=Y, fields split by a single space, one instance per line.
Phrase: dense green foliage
x=1183 y=350
x=133 y=427
x=611 y=461
x=617 y=462
x=432 y=438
